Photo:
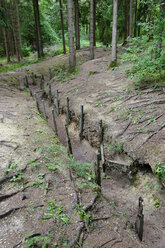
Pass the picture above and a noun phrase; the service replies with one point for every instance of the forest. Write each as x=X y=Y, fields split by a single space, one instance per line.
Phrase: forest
x=42 y=26
x=82 y=123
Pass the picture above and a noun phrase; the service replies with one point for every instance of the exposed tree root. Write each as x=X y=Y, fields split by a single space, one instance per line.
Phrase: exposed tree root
x=122 y=132
x=106 y=242
x=4 y=197
x=151 y=135
x=31 y=236
x=8 y=212
x=76 y=239
x=6 y=178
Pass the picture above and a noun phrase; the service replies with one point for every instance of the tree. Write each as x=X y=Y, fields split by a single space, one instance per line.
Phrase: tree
x=131 y=20
x=77 y=25
x=92 y=29
x=114 y=34
x=16 y=28
x=38 y=29
x=135 y=25
x=125 y=22
x=72 y=52
x=62 y=27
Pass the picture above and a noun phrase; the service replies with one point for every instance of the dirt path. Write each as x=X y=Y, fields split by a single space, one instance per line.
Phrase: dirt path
x=26 y=139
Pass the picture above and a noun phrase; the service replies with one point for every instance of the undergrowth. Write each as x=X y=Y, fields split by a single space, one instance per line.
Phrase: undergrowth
x=145 y=67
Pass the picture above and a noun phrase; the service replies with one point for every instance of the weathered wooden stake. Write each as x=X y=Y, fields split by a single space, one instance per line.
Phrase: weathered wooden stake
x=50 y=74
x=33 y=79
x=140 y=220
x=44 y=110
x=54 y=122
x=30 y=92
x=50 y=94
x=97 y=169
x=57 y=103
x=42 y=82
x=67 y=111
x=81 y=122
x=69 y=147
x=38 y=108
x=26 y=84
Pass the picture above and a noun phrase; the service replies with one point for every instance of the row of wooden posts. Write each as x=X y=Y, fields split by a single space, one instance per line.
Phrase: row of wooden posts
x=99 y=156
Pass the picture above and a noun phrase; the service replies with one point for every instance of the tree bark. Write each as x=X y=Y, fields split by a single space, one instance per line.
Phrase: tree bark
x=38 y=29
x=131 y=20
x=94 y=32
x=114 y=33
x=77 y=27
x=72 y=52
x=16 y=28
x=62 y=27
x=92 y=29
x=125 y=22
x=135 y=25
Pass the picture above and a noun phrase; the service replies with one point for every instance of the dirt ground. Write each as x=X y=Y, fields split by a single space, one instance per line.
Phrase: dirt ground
x=42 y=182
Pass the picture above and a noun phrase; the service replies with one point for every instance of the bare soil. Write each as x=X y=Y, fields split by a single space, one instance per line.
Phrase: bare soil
x=129 y=116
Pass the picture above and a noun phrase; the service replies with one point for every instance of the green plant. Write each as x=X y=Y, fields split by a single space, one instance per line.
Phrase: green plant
x=55 y=211
x=17 y=177
x=156 y=203
x=117 y=148
x=160 y=171
x=38 y=241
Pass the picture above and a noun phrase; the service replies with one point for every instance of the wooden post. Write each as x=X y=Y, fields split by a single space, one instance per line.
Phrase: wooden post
x=67 y=111
x=33 y=79
x=50 y=74
x=57 y=103
x=26 y=83
x=44 y=110
x=140 y=220
x=42 y=82
x=54 y=122
x=81 y=122
x=69 y=147
x=50 y=95
x=38 y=108
x=30 y=92
x=100 y=137
x=97 y=169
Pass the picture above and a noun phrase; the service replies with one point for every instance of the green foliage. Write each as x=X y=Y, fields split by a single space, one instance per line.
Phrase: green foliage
x=160 y=171
x=38 y=241
x=156 y=203
x=56 y=212
x=26 y=50
x=117 y=148
x=79 y=168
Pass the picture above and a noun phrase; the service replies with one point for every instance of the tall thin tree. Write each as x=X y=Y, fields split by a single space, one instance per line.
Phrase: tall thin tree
x=62 y=26
x=72 y=52
x=125 y=22
x=131 y=20
x=114 y=34
x=77 y=25
x=38 y=29
x=92 y=29
x=135 y=22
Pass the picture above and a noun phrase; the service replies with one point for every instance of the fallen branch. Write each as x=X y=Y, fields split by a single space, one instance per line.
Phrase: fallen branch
x=8 y=212
x=101 y=218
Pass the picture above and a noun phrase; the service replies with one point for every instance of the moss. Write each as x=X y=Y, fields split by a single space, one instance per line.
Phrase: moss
x=113 y=64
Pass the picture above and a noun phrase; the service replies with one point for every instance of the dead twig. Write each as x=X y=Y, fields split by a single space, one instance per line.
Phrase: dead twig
x=123 y=131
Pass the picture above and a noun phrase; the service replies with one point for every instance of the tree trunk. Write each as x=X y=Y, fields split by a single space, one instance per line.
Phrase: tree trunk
x=16 y=28
x=72 y=52
x=62 y=27
x=94 y=32
x=6 y=44
x=114 y=33
x=125 y=22
x=77 y=27
x=38 y=29
x=92 y=29
x=135 y=25
x=161 y=26
x=131 y=20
